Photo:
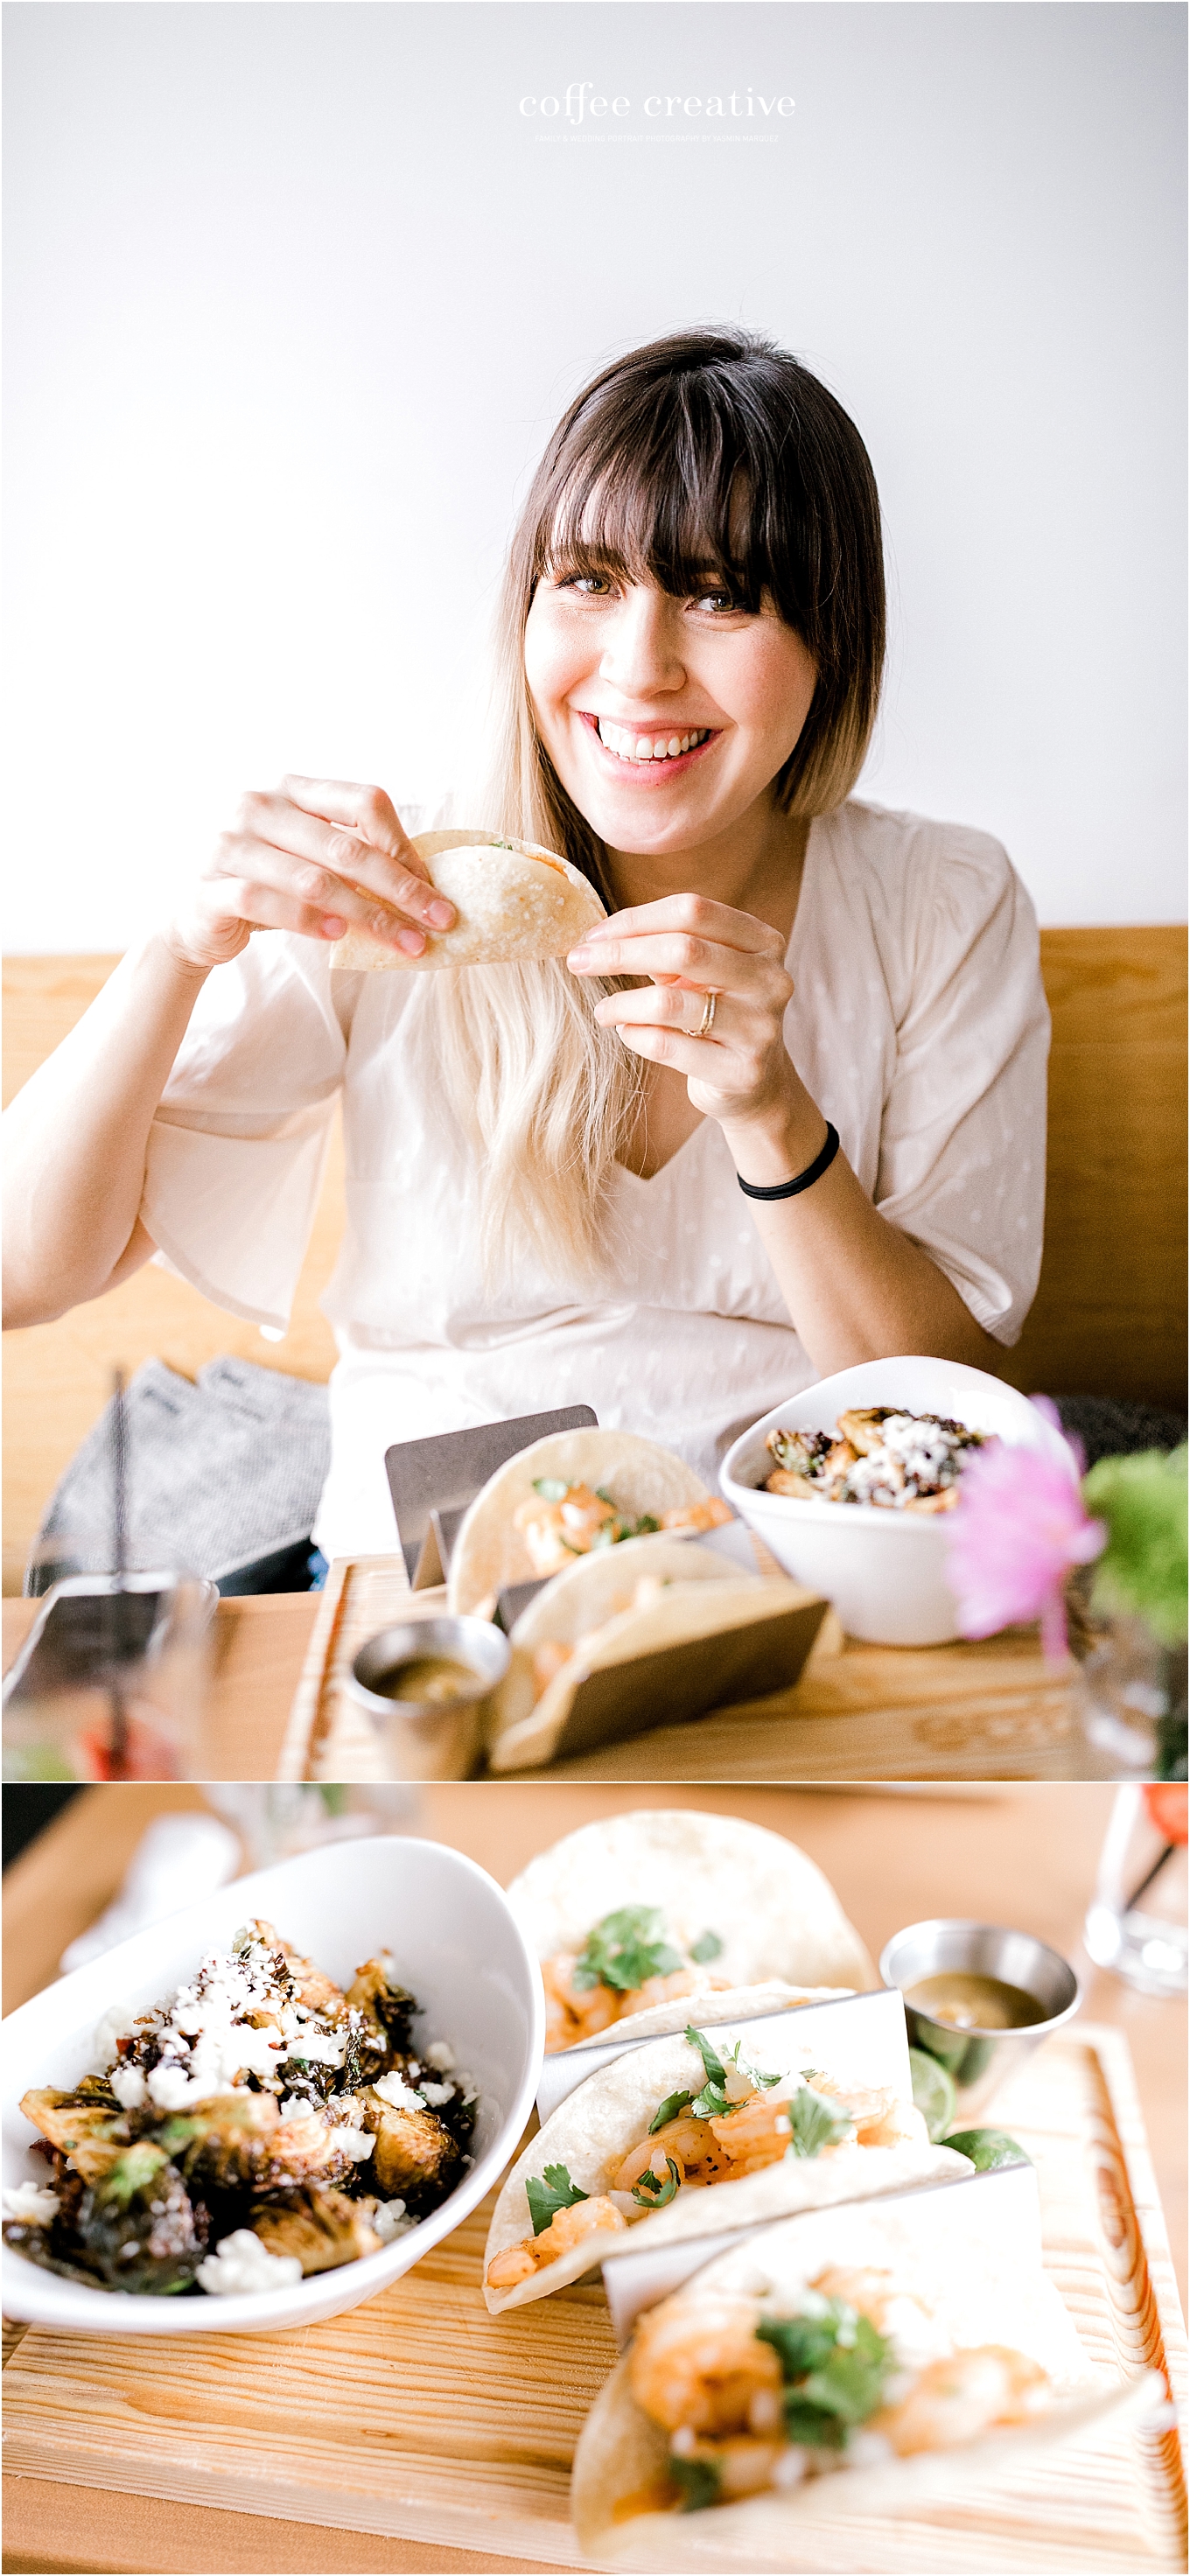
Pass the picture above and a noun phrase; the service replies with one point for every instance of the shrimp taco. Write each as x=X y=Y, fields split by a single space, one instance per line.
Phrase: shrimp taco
x=619 y=1603
x=635 y=1915
x=513 y=900
x=724 y=2125
x=842 y=2361
x=568 y=1496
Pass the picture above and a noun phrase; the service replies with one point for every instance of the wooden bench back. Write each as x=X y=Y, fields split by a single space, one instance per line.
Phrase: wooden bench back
x=1110 y=1316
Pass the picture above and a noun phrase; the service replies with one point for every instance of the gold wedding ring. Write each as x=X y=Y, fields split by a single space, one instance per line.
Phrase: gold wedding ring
x=707 y=1022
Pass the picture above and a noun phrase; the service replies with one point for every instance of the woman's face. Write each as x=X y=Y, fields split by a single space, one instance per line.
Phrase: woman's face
x=622 y=675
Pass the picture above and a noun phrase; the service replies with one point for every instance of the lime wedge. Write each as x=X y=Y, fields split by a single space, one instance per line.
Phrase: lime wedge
x=988 y=2148
x=933 y=2091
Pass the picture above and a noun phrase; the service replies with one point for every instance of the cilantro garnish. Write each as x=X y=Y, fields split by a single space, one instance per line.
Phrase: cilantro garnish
x=814 y=2124
x=714 y=2102
x=698 y=2480
x=556 y=2191
x=667 y=2110
x=552 y=1489
x=654 y=2191
x=709 y=1946
x=834 y=2367
x=624 y=1950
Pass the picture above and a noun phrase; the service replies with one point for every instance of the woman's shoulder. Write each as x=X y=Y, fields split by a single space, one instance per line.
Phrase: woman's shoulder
x=914 y=875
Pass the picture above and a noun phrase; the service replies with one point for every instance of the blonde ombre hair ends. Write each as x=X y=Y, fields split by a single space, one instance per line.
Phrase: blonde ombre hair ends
x=710 y=447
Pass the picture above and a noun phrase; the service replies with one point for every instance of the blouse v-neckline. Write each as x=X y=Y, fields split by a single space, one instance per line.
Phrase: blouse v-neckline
x=645 y=1180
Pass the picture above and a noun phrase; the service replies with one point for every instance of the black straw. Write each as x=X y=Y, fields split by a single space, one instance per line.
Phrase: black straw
x=118 y=1748
x=1149 y=1876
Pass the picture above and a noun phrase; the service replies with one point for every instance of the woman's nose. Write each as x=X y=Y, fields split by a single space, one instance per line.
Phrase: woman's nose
x=642 y=653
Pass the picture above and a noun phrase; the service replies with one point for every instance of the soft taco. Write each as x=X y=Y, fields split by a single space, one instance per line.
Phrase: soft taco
x=616 y=1604
x=635 y=1915
x=727 y=2124
x=513 y=900
x=568 y=1496
x=841 y=2361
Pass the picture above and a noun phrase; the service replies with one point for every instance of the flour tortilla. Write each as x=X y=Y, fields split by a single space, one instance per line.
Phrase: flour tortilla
x=513 y=899
x=978 y=2268
x=774 y=1912
x=639 y=1475
x=592 y=1601
x=598 y=2123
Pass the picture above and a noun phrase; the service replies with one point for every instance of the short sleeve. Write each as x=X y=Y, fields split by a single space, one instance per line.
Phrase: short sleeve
x=962 y=1150
x=237 y=1148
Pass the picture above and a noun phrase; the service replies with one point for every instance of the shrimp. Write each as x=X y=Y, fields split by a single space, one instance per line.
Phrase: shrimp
x=661 y=1990
x=754 y=2136
x=955 y=2400
x=688 y=2142
x=720 y=2149
x=745 y=2465
x=897 y=2314
x=698 y=2368
x=555 y=1532
x=881 y=2119
x=709 y=1514
x=566 y=2229
x=573 y=2013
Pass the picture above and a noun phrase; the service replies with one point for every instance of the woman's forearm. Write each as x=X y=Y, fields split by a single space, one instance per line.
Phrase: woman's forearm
x=856 y=1287
x=75 y=1138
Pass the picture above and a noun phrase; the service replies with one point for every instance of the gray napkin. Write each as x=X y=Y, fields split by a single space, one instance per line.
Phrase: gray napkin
x=219 y=1473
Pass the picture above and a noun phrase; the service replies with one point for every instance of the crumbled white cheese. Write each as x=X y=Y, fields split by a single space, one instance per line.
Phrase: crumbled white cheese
x=244 y=2264
x=436 y=2093
x=391 y=2220
x=440 y=2054
x=393 y=2088
x=294 y=2107
x=35 y=2205
x=357 y=2143
x=319 y=2048
x=115 y=2026
x=128 y=2085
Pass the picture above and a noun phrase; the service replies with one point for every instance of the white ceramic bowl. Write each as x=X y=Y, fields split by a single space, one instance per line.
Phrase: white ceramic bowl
x=457 y=1946
x=884 y=1571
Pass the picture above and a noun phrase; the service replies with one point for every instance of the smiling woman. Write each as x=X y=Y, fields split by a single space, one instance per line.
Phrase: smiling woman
x=616 y=1178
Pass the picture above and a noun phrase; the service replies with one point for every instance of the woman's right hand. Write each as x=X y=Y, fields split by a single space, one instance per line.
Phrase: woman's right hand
x=312 y=855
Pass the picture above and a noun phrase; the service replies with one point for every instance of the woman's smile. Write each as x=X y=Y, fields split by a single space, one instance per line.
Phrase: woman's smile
x=650 y=750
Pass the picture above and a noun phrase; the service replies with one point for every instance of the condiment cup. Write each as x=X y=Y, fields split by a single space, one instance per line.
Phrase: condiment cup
x=980 y=2060
x=429 y=1739
x=456 y=1945
x=884 y=1571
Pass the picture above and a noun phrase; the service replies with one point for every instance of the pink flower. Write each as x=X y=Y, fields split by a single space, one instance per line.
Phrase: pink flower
x=1018 y=1527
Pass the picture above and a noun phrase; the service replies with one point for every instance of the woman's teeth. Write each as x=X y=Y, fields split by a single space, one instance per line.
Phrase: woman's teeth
x=647 y=746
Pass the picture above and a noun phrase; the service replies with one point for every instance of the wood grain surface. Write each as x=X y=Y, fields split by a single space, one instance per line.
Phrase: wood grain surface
x=1109 y=1317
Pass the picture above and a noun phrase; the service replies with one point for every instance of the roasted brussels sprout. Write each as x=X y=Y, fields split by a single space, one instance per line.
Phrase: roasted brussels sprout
x=387 y=2008
x=415 y=2156
x=323 y=2228
x=88 y=2127
x=139 y=2227
x=318 y=1991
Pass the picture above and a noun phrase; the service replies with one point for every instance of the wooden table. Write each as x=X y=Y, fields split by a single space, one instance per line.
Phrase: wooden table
x=1022 y=1854
x=834 y=1725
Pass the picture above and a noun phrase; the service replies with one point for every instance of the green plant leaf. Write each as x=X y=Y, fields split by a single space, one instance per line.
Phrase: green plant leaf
x=627 y=1947
x=699 y=2482
x=1143 y=1569
x=708 y=1946
x=667 y=2110
x=552 y=1489
x=554 y=2192
x=654 y=2191
x=814 y=2124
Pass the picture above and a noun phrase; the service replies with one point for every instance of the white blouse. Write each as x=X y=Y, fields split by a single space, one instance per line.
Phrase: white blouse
x=918 y=1023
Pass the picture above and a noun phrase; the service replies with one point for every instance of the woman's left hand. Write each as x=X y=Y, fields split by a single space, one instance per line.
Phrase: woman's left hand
x=740 y=1072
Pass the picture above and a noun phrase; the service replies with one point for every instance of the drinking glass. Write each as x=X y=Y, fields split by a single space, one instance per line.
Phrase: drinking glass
x=1136 y=1922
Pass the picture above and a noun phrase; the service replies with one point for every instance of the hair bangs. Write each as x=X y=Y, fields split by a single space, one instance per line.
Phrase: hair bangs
x=672 y=491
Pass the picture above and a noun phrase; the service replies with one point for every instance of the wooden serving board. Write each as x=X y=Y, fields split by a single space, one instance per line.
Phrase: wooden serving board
x=418 y=2415
x=994 y=1711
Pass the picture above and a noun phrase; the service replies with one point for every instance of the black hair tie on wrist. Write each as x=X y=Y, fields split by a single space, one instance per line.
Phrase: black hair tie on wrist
x=805 y=1180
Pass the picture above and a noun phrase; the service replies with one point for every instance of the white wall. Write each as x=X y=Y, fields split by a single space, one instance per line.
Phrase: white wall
x=294 y=294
